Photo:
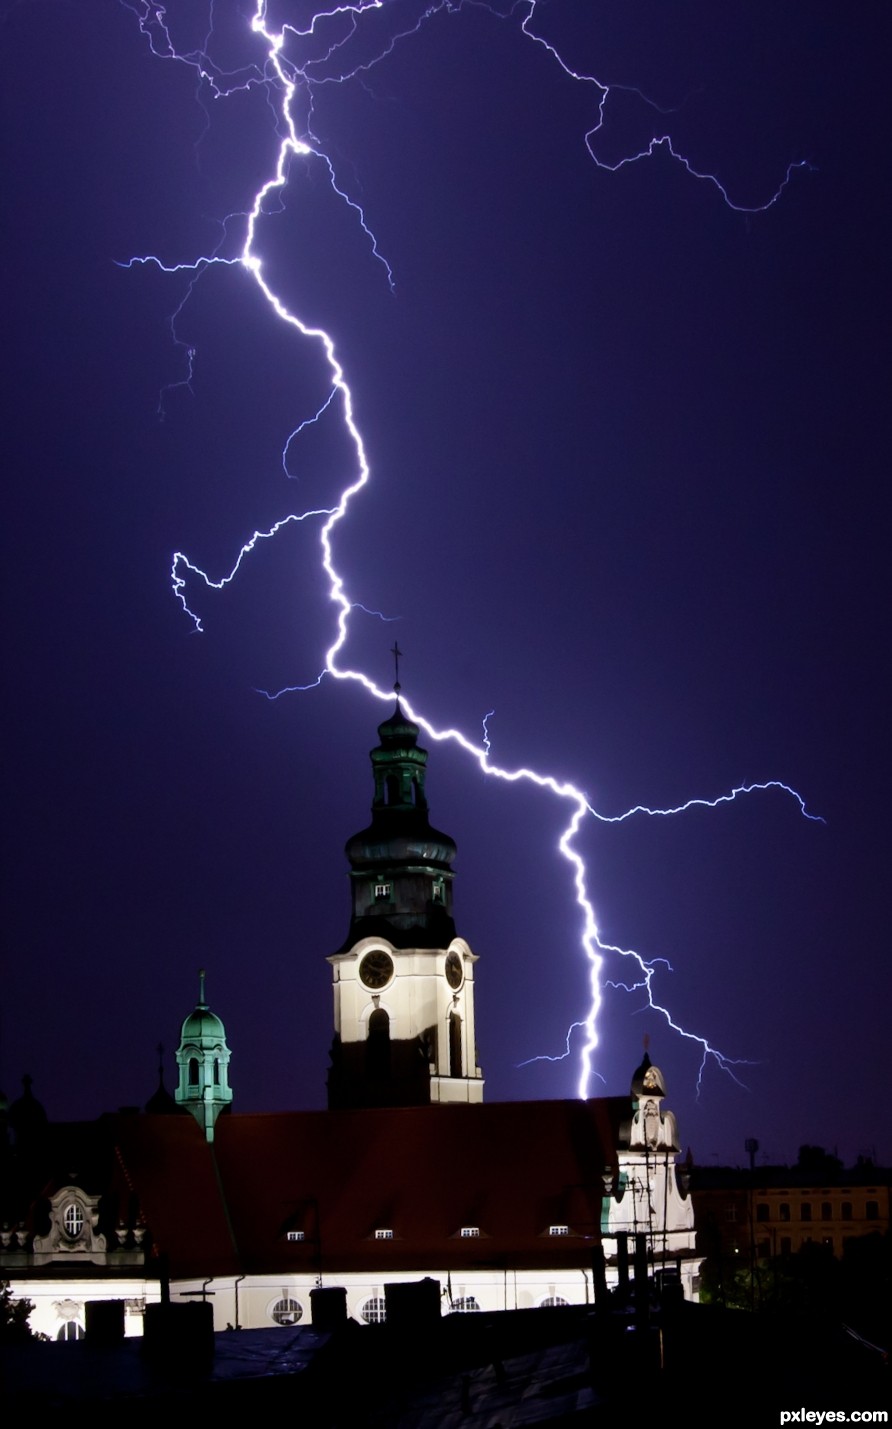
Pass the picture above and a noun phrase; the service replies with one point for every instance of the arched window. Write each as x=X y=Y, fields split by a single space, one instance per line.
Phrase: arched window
x=377 y=1050
x=193 y=1071
x=374 y=1311
x=216 y=1071
x=393 y=789
x=455 y=1058
x=466 y=1304
x=71 y=1330
x=553 y=1300
x=287 y=1311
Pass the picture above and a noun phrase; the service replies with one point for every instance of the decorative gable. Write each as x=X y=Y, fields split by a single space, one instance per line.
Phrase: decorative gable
x=74 y=1218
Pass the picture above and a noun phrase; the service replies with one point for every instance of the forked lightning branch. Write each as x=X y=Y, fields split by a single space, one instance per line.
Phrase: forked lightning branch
x=287 y=65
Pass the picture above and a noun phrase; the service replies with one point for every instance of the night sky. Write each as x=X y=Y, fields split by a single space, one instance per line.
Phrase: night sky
x=629 y=454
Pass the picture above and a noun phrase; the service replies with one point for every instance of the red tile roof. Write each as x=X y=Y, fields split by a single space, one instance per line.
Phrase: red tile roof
x=511 y=1169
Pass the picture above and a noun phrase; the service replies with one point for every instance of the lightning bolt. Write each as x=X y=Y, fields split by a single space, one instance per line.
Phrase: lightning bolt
x=487 y=742
x=325 y=42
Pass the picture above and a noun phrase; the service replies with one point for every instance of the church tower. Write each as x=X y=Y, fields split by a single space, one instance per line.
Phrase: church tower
x=403 y=981
x=203 y=1062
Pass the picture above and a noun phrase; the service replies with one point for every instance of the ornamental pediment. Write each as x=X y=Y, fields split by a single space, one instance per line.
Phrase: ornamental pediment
x=74 y=1220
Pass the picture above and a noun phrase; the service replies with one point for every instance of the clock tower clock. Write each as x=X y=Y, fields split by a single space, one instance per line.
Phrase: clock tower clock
x=403 y=980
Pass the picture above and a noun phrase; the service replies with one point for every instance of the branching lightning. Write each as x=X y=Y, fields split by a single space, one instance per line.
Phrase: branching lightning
x=322 y=49
x=710 y=804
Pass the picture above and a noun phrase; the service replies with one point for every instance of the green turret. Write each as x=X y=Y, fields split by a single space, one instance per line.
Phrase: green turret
x=203 y=1061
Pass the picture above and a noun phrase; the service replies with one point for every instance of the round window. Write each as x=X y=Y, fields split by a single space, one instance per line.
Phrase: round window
x=287 y=1311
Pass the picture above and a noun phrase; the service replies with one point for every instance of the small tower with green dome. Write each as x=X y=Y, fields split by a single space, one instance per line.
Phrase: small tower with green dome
x=203 y=1062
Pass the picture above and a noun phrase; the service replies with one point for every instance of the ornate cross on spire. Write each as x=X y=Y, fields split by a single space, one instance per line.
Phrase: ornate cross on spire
x=396 y=652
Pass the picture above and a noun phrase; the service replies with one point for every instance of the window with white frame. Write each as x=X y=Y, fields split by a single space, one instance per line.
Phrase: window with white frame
x=73 y=1220
x=374 y=1311
x=385 y=1233
x=469 y=1232
x=71 y=1330
x=287 y=1311
x=553 y=1300
x=295 y=1235
x=382 y=890
x=466 y=1304
x=559 y=1230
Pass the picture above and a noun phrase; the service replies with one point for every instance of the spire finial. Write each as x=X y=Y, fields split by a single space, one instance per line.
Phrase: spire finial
x=396 y=652
x=201 y=977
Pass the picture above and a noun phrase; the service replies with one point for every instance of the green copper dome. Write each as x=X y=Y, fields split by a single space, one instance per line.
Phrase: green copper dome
x=398 y=730
x=203 y=1062
x=202 y=1025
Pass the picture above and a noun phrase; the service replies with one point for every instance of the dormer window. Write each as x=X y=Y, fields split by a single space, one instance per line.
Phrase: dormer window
x=73 y=1220
x=558 y=1230
x=382 y=890
x=384 y=1234
x=469 y=1232
x=295 y=1235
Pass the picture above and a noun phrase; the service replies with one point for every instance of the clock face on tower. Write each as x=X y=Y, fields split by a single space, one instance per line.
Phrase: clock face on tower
x=376 y=968
x=454 y=970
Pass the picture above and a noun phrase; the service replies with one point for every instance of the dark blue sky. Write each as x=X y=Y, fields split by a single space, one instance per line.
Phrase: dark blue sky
x=629 y=454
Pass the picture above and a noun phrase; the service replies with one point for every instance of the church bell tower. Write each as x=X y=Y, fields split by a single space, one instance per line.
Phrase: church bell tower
x=403 y=980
